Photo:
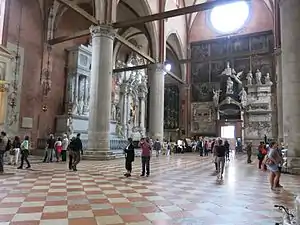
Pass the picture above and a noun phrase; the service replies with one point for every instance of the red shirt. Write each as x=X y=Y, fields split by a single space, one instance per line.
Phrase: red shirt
x=146 y=149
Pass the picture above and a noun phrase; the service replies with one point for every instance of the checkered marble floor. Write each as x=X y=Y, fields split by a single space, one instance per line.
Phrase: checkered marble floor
x=180 y=190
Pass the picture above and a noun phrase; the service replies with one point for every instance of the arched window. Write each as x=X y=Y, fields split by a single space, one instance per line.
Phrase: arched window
x=230 y=17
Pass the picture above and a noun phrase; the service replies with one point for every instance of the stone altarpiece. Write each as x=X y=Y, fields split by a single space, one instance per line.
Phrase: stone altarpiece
x=231 y=81
x=128 y=106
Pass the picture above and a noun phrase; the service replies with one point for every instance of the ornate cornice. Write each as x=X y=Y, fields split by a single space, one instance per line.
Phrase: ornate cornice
x=103 y=31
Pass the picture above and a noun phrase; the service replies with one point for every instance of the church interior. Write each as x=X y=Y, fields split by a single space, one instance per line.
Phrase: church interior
x=165 y=69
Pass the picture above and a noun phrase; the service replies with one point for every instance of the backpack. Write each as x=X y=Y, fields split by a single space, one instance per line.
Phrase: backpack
x=8 y=146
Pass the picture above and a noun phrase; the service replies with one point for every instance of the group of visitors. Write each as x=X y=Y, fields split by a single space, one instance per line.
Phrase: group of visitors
x=14 y=150
x=146 y=146
x=57 y=149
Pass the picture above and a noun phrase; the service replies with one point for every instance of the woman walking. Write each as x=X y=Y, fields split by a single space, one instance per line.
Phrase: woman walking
x=272 y=161
x=15 y=151
x=25 y=153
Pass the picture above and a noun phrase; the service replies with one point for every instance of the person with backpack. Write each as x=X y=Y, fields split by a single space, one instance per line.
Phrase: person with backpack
x=4 y=147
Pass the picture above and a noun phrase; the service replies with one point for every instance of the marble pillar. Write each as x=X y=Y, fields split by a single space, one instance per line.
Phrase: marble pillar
x=100 y=93
x=142 y=113
x=279 y=95
x=156 y=78
x=290 y=39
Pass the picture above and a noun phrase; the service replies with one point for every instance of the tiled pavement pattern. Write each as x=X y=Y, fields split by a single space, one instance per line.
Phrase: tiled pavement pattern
x=180 y=190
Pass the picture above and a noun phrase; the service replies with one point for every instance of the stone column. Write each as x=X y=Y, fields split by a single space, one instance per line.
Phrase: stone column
x=156 y=76
x=290 y=38
x=124 y=106
x=279 y=94
x=143 y=113
x=100 y=93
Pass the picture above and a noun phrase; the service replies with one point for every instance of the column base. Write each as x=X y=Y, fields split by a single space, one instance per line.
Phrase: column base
x=98 y=155
x=294 y=165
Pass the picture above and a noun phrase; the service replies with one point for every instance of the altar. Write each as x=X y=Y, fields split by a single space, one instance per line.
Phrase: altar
x=128 y=106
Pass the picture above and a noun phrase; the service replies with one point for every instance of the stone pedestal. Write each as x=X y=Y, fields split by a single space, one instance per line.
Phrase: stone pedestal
x=156 y=75
x=290 y=35
x=100 y=92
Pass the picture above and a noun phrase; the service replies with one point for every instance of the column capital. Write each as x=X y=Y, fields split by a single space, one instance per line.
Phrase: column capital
x=157 y=67
x=103 y=31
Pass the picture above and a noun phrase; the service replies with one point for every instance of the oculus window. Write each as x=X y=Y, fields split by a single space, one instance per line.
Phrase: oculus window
x=230 y=17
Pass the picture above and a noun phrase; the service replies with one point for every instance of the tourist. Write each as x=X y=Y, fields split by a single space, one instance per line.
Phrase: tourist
x=15 y=151
x=220 y=153
x=58 y=148
x=3 y=148
x=49 y=151
x=262 y=152
x=227 y=147
x=25 y=153
x=279 y=149
x=200 y=146
x=272 y=161
x=65 y=143
x=77 y=149
x=249 y=152
x=168 y=148
x=146 y=154
x=70 y=151
x=157 y=147
x=205 y=148
x=129 y=157
x=214 y=153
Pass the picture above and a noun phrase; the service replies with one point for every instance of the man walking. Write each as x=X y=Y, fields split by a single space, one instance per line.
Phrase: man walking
x=77 y=149
x=3 y=148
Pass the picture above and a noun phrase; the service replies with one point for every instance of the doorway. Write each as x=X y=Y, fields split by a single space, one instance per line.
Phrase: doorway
x=228 y=132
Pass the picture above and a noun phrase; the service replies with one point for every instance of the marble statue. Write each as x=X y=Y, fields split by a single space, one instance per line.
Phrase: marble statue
x=268 y=79
x=249 y=78
x=113 y=111
x=216 y=97
x=80 y=106
x=119 y=130
x=258 y=77
x=232 y=73
x=132 y=112
x=243 y=97
x=229 y=87
x=118 y=114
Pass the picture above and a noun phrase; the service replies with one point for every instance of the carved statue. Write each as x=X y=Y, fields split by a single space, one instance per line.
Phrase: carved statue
x=243 y=97
x=229 y=87
x=80 y=106
x=249 y=78
x=258 y=77
x=113 y=111
x=119 y=130
x=268 y=79
x=216 y=97
x=232 y=73
x=132 y=112
x=118 y=114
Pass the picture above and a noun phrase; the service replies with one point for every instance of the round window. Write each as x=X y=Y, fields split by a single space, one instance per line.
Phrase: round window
x=230 y=17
